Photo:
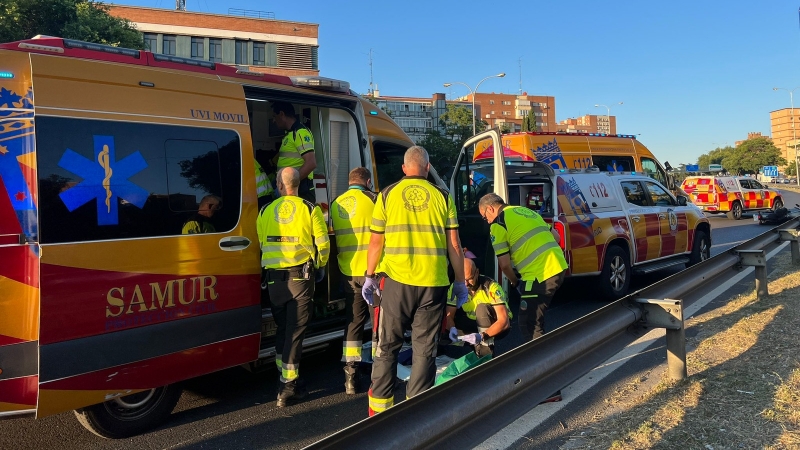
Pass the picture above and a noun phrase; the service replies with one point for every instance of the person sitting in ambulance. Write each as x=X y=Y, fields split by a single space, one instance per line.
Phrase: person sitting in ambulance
x=484 y=317
x=200 y=223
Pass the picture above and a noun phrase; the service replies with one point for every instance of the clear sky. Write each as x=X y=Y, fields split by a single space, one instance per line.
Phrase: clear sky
x=692 y=75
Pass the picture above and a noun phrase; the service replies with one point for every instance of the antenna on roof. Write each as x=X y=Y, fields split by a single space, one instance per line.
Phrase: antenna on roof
x=180 y=5
x=520 y=75
x=371 y=90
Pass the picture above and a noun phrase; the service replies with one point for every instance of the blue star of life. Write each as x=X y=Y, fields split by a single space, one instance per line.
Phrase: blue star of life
x=105 y=180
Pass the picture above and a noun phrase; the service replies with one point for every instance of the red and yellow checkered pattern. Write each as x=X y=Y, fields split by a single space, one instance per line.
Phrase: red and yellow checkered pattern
x=708 y=194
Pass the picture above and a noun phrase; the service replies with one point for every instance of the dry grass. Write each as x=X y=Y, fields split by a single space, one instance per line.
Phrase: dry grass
x=743 y=390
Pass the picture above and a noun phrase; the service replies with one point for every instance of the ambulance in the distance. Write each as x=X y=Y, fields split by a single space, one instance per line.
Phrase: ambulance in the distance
x=105 y=153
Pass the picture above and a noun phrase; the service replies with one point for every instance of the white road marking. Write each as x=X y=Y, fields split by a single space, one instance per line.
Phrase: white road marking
x=506 y=437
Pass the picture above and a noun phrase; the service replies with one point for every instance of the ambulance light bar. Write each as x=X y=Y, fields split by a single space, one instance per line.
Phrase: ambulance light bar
x=328 y=84
x=6 y=75
x=70 y=43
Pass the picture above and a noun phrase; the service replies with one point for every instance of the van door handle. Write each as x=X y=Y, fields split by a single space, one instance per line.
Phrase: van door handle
x=234 y=243
x=635 y=218
x=662 y=216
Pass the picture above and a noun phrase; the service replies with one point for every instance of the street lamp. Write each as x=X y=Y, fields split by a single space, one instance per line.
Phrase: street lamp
x=794 y=133
x=473 y=92
x=608 y=115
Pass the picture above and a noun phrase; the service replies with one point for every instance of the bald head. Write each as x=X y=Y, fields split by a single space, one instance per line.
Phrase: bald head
x=416 y=162
x=288 y=181
x=471 y=273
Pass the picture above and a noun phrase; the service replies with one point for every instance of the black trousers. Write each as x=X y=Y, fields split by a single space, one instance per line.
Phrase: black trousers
x=357 y=312
x=292 y=299
x=538 y=296
x=404 y=306
x=306 y=190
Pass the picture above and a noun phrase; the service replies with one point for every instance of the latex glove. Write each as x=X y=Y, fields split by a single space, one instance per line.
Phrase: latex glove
x=371 y=287
x=460 y=291
x=453 y=334
x=319 y=275
x=474 y=338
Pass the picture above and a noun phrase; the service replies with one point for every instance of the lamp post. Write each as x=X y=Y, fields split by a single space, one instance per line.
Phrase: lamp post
x=472 y=93
x=608 y=115
x=794 y=133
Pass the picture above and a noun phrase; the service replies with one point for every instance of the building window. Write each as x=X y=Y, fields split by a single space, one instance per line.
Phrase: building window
x=168 y=45
x=215 y=50
x=241 y=52
x=151 y=42
x=197 y=47
x=506 y=102
x=491 y=102
x=259 y=54
x=506 y=113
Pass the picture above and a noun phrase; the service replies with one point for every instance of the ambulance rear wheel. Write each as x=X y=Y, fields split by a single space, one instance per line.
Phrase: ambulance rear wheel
x=736 y=211
x=701 y=248
x=130 y=415
x=615 y=279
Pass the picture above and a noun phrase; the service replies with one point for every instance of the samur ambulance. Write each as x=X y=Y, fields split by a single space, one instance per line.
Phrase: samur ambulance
x=613 y=224
x=732 y=196
x=104 y=153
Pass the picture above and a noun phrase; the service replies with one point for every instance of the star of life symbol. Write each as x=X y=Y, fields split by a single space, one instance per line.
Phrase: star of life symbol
x=284 y=212
x=416 y=198
x=104 y=179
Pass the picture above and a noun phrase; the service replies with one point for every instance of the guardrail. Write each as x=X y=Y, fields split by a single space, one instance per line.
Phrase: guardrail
x=472 y=407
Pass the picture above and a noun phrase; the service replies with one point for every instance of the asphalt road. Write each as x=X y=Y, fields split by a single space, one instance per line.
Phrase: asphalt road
x=235 y=409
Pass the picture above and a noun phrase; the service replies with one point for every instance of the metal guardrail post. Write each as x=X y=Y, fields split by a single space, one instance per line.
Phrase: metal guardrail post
x=757 y=259
x=790 y=235
x=668 y=314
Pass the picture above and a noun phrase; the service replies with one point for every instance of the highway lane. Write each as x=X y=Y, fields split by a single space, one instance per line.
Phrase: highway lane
x=236 y=409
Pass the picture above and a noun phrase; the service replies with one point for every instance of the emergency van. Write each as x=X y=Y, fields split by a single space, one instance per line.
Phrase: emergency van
x=732 y=196
x=612 y=224
x=561 y=150
x=105 y=153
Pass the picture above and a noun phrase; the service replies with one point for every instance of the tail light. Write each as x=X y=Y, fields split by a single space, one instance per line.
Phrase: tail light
x=562 y=233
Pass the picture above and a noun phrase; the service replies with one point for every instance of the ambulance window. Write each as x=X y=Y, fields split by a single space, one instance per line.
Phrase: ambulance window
x=756 y=185
x=634 y=193
x=608 y=163
x=101 y=180
x=388 y=163
x=652 y=169
x=659 y=195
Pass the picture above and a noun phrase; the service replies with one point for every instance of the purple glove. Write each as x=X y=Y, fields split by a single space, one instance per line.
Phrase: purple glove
x=474 y=338
x=453 y=334
x=461 y=294
x=371 y=286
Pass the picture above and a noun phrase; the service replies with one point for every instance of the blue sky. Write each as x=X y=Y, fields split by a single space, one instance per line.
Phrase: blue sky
x=692 y=75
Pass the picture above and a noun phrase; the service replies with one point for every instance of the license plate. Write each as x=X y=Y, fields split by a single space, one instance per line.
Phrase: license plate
x=755 y=217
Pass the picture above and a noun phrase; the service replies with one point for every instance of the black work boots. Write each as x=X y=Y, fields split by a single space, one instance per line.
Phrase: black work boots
x=291 y=391
x=351 y=379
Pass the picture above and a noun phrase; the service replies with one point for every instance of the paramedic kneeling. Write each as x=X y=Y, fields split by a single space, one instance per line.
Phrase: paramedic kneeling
x=484 y=317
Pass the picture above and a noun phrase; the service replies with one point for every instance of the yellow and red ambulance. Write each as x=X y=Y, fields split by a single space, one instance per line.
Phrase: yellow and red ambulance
x=105 y=153
x=732 y=196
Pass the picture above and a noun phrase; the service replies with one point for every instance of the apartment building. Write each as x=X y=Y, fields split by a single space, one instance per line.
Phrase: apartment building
x=784 y=133
x=751 y=135
x=507 y=111
x=589 y=124
x=416 y=115
x=252 y=39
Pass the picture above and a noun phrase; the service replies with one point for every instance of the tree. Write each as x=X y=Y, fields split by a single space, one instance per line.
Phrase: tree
x=791 y=169
x=529 y=122
x=85 y=20
x=457 y=123
x=442 y=150
x=751 y=155
x=714 y=156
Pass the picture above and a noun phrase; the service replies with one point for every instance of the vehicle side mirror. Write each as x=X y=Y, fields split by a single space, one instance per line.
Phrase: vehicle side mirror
x=681 y=200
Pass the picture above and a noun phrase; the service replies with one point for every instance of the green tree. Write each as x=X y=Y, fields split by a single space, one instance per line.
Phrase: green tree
x=457 y=123
x=791 y=169
x=85 y=20
x=714 y=156
x=752 y=155
x=442 y=150
x=529 y=122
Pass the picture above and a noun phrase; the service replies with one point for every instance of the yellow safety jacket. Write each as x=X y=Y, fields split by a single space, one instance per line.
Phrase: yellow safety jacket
x=534 y=252
x=263 y=185
x=291 y=231
x=351 y=214
x=297 y=142
x=489 y=292
x=415 y=216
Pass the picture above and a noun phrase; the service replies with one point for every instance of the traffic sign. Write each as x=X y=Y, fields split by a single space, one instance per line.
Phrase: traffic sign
x=769 y=171
x=715 y=167
x=692 y=168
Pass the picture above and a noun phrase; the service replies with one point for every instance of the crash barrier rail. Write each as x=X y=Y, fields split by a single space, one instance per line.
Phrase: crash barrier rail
x=477 y=404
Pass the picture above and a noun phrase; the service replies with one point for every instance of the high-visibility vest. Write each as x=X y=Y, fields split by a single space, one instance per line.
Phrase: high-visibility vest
x=351 y=214
x=489 y=292
x=297 y=142
x=523 y=233
x=415 y=217
x=292 y=230
x=263 y=185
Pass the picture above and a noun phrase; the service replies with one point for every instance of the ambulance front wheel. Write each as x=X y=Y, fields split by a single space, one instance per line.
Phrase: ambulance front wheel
x=130 y=415
x=736 y=211
x=615 y=279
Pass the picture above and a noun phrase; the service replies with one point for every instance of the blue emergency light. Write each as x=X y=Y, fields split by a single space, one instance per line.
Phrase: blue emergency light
x=6 y=74
x=373 y=113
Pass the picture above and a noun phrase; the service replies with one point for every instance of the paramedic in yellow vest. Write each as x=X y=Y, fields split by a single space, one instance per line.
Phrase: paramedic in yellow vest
x=351 y=214
x=297 y=148
x=263 y=186
x=524 y=245
x=414 y=227
x=199 y=223
x=294 y=250
x=484 y=318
